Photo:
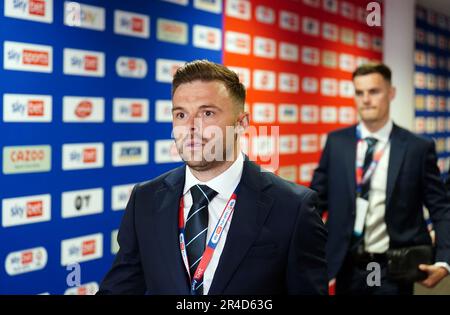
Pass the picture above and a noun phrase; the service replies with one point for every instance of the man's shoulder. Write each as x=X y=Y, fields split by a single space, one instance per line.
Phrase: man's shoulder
x=413 y=137
x=159 y=182
x=284 y=189
x=342 y=133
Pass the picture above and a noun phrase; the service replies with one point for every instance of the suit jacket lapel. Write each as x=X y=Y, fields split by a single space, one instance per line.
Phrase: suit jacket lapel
x=167 y=225
x=397 y=152
x=252 y=208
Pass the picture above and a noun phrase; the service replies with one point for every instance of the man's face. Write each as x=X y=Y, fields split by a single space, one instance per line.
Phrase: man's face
x=201 y=113
x=373 y=95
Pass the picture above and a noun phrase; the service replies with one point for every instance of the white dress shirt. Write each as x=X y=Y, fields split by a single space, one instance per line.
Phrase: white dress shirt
x=224 y=185
x=376 y=237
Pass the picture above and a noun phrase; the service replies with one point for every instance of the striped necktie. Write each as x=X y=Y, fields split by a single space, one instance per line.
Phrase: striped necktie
x=196 y=228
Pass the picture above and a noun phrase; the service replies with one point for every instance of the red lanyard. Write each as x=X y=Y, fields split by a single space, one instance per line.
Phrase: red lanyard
x=361 y=178
x=212 y=243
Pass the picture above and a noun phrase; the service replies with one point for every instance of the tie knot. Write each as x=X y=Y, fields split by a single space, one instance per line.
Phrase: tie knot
x=371 y=141
x=202 y=194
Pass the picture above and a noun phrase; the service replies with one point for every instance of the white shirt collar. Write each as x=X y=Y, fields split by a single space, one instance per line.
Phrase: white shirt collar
x=382 y=135
x=224 y=184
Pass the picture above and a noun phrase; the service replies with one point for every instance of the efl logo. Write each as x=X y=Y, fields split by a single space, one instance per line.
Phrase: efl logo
x=27 y=57
x=238 y=43
x=84 y=16
x=288 y=52
x=172 y=31
x=244 y=75
x=361 y=61
x=330 y=6
x=264 y=47
x=309 y=114
x=348 y=10
x=79 y=109
x=165 y=69
x=263 y=113
x=263 y=146
x=84 y=62
x=26 y=210
x=26 y=159
x=347 y=36
x=329 y=59
x=33 y=10
x=347 y=62
x=214 y=6
x=288 y=144
x=26 y=260
x=312 y=3
x=131 y=24
x=130 y=153
x=289 y=21
x=288 y=82
x=129 y=110
x=329 y=115
x=420 y=58
x=306 y=172
x=240 y=9
x=129 y=67
x=309 y=143
x=310 y=56
x=311 y=26
x=27 y=108
x=346 y=89
x=80 y=249
x=287 y=113
x=81 y=202
x=419 y=80
x=430 y=103
x=431 y=60
x=310 y=85
x=363 y=40
x=163 y=111
x=420 y=36
x=430 y=125
x=82 y=156
x=265 y=14
x=329 y=87
x=207 y=37
x=330 y=32
x=264 y=80
x=347 y=115
x=166 y=152
x=120 y=195
x=86 y=289
x=431 y=81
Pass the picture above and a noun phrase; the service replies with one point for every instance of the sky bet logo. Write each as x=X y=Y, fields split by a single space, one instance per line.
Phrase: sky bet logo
x=27 y=108
x=84 y=62
x=81 y=249
x=130 y=110
x=131 y=24
x=82 y=156
x=26 y=210
x=27 y=57
x=34 y=10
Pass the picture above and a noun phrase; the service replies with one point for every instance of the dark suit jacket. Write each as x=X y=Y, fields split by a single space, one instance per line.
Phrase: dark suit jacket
x=275 y=245
x=413 y=182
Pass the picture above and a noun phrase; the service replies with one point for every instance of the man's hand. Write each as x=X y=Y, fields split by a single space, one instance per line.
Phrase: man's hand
x=435 y=275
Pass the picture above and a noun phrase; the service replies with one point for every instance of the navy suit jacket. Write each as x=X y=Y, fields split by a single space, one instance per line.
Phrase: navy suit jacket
x=413 y=182
x=275 y=245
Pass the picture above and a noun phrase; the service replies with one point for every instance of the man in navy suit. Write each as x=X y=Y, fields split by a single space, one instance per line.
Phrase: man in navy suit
x=374 y=179
x=218 y=224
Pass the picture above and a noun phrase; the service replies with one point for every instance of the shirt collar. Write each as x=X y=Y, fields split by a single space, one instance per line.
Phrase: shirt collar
x=224 y=184
x=382 y=135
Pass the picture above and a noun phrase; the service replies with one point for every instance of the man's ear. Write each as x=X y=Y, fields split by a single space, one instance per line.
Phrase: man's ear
x=392 y=93
x=242 y=122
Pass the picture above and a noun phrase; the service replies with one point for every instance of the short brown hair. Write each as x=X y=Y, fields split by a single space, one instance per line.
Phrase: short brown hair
x=207 y=71
x=370 y=68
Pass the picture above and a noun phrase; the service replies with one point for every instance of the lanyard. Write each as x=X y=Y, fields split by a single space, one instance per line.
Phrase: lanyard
x=361 y=177
x=213 y=240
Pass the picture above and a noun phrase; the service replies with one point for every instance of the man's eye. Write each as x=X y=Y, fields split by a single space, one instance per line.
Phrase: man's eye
x=209 y=113
x=180 y=115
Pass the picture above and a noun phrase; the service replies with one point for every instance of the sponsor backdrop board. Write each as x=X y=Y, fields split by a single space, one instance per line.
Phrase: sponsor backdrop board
x=432 y=80
x=86 y=110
